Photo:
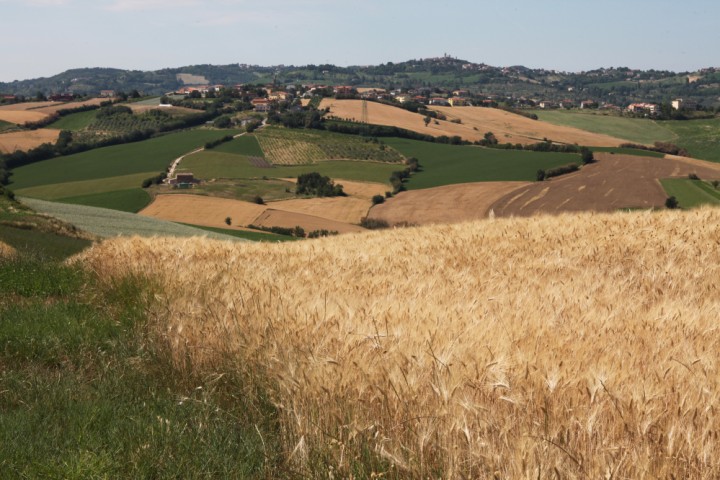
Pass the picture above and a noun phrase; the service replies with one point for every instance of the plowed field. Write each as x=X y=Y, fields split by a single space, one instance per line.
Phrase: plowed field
x=614 y=182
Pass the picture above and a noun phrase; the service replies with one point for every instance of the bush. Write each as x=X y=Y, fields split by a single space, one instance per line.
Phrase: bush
x=317 y=185
x=540 y=175
x=378 y=199
x=373 y=223
x=672 y=203
x=228 y=221
x=557 y=171
x=715 y=183
x=259 y=200
x=587 y=155
x=693 y=176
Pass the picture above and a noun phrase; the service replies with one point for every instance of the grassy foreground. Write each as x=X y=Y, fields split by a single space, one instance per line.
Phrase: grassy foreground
x=85 y=393
x=576 y=346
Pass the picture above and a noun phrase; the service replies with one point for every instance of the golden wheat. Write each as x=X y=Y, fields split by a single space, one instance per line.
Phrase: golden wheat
x=582 y=346
x=6 y=250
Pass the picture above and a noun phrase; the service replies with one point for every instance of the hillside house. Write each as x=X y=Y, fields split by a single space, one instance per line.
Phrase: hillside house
x=61 y=97
x=459 y=102
x=647 y=108
x=183 y=180
x=440 y=102
x=261 y=104
x=566 y=103
x=460 y=93
x=546 y=104
x=588 y=104
x=107 y=93
x=680 y=104
x=343 y=90
x=403 y=97
x=279 y=96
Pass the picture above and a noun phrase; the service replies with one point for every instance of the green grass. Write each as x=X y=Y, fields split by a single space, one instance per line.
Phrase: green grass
x=244 y=145
x=132 y=200
x=450 y=164
x=150 y=155
x=629 y=151
x=211 y=164
x=7 y=126
x=88 y=393
x=252 y=236
x=691 y=193
x=245 y=189
x=109 y=223
x=637 y=130
x=56 y=191
x=75 y=121
x=701 y=138
x=47 y=245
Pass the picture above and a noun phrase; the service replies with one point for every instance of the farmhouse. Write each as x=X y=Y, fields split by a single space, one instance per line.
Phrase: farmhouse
x=261 y=104
x=680 y=104
x=547 y=104
x=588 y=104
x=183 y=180
x=343 y=90
x=440 y=102
x=650 y=108
x=107 y=93
x=459 y=102
x=61 y=97
x=279 y=96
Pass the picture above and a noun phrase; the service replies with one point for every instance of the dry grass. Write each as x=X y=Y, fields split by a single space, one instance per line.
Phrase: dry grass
x=21 y=107
x=20 y=117
x=576 y=346
x=476 y=121
x=25 y=140
x=6 y=250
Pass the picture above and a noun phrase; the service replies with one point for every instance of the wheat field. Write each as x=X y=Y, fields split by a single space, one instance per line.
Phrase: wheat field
x=573 y=346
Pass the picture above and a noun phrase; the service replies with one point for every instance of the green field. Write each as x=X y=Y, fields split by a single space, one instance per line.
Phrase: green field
x=246 y=189
x=75 y=121
x=637 y=130
x=132 y=200
x=244 y=145
x=211 y=164
x=56 y=191
x=252 y=236
x=7 y=126
x=691 y=193
x=109 y=223
x=701 y=138
x=449 y=164
x=152 y=155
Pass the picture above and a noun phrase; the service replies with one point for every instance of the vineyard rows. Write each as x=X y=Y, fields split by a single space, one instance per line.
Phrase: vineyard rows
x=302 y=147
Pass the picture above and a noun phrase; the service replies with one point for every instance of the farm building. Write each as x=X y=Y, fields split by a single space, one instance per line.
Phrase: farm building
x=107 y=93
x=588 y=104
x=440 y=102
x=261 y=104
x=650 y=108
x=680 y=104
x=459 y=102
x=183 y=180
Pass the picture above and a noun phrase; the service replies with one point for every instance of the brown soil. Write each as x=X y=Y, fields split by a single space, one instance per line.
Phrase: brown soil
x=476 y=121
x=447 y=204
x=25 y=140
x=212 y=211
x=614 y=182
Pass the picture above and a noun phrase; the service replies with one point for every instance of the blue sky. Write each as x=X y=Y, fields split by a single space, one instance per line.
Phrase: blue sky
x=47 y=37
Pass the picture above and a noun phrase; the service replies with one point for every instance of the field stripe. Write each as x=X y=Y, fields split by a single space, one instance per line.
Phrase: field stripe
x=85 y=187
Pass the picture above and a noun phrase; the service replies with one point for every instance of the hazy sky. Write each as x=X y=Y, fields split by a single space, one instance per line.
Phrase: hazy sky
x=46 y=37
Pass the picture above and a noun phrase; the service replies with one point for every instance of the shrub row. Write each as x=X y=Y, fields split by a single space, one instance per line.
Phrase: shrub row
x=662 y=147
x=557 y=171
x=215 y=143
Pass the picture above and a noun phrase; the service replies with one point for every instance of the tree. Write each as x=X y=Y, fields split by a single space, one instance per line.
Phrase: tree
x=672 y=203
x=427 y=120
x=587 y=155
x=228 y=221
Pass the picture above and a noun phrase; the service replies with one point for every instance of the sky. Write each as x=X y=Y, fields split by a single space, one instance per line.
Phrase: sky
x=47 y=37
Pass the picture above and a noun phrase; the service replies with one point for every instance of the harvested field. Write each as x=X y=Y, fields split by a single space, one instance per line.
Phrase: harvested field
x=476 y=121
x=25 y=140
x=201 y=210
x=20 y=117
x=355 y=189
x=211 y=212
x=577 y=346
x=20 y=107
x=448 y=204
x=340 y=209
x=614 y=182
x=55 y=107
x=282 y=218
x=139 y=108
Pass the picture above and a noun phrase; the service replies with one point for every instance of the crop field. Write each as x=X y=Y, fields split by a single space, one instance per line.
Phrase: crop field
x=283 y=146
x=132 y=200
x=153 y=155
x=449 y=164
x=246 y=189
x=110 y=223
x=252 y=235
x=576 y=346
x=447 y=204
x=245 y=145
x=55 y=191
x=614 y=182
x=4 y=126
x=629 y=151
x=75 y=121
x=476 y=121
x=25 y=140
x=701 y=138
x=636 y=130
x=19 y=117
x=212 y=212
x=691 y=193
x=211 y=164
x=55 y=106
